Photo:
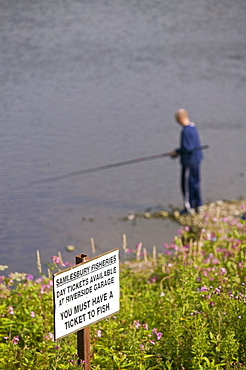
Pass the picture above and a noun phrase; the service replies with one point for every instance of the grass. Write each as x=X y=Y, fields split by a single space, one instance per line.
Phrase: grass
x=183 y=309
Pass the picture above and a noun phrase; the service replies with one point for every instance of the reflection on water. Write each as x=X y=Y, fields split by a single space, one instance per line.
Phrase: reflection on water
x=89 y=83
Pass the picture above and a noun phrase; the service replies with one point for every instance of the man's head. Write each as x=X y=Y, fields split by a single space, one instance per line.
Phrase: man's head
x=182 y=117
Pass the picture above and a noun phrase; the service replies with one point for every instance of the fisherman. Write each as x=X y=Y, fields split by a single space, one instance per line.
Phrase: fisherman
x=190 y=159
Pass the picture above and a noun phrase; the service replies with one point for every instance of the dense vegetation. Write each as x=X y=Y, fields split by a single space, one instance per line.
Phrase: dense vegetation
x=184 y=309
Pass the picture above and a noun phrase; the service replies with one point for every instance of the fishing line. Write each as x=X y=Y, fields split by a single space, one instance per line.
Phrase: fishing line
x=113 y=165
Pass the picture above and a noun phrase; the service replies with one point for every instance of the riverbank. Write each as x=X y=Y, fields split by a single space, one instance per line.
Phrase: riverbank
x=186 y=311
x=217 y=211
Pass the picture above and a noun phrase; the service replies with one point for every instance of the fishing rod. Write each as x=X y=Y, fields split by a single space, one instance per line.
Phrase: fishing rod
x=108 y=166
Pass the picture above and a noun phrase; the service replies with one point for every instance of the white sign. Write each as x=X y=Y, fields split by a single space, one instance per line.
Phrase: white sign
x=86 y=293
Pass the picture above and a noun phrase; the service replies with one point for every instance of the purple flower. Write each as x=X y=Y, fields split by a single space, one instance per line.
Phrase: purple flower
x=29 y=277
x=49 y=336
x=159 y=335
x=99 y=333
x=203 y=289
x=152 y=342
x=10 y=310
x=154 y=331
x=136 y=323
x=16 y=339
x=56 y=260
x=152 y=280
x=142 y=347
x=39 y=279
x=145 y=326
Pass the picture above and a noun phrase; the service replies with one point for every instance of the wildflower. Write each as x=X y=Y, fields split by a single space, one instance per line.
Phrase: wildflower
x=204 y=289
x=32 y=314
x=49 y=336
x=152 y=342
x=187 y=228
x=154 y=331
x=239 y=317
x=99 y=333
x=159 y=335
x=29 y=277
x=145 y=326
x=136 y=323
x=152 y=280
x=10 y=310
x=16 y=339
x=56 y=260
x=223 y=270
x=39 y=280
x=142 y=347
x=211 y=303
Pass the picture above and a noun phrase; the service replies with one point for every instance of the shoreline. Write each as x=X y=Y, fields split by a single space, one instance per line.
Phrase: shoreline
x=218 y=209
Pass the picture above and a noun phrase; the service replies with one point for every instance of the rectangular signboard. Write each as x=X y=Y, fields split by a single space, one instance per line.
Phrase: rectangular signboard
x=86 y=293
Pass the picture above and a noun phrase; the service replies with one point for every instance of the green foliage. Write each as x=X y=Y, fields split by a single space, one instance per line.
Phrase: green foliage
x=186 y=310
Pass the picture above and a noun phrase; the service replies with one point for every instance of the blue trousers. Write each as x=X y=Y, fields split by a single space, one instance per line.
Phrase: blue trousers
x=190 y=186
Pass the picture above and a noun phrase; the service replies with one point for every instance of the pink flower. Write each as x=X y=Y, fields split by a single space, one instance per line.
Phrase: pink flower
x=32 y=314
x=152 y=280
x=49 y=336
x=145 y=326
x=10 y=310
x=56 y=260
x=204 y=289
x=29 y=277
x=152 y=342
x=142 y=347
x=136 y=323
x=99 y=333
x=16 y=339
x=159 y=335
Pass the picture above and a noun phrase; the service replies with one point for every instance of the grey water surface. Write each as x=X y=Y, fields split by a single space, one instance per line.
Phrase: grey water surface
x=85 y=83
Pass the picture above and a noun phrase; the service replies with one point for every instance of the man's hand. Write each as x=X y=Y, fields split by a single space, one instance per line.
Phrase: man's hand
x=173 y=154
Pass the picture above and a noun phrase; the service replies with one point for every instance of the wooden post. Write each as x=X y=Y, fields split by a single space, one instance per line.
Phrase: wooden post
x=83 y=336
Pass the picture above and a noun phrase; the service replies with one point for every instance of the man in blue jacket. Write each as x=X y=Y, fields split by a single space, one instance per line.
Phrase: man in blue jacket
x=190 y=159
